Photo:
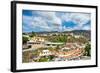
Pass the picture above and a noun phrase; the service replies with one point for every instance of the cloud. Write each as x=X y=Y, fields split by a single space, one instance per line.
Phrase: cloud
x=86 y=28
x=27 y=19
x=35 y=23
x=51 y=17
x=67 y=28
x=78 y=18
x=54 y=22
x=51 y=21
x=39 y=22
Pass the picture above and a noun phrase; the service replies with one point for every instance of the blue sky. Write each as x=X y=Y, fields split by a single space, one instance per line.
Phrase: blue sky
x=39 y=21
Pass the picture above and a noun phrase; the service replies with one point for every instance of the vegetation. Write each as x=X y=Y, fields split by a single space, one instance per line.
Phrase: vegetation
x=87 y=50
x=28 y=56
x=25 y=39
x=43 y=59
x=82 y=40
x=57 y=38
x=35 y=52
x=71 y=39
x=51 y=57
x=33 y=34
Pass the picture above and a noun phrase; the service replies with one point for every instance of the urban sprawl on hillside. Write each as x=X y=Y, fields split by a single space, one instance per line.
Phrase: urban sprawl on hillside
x=56 y=46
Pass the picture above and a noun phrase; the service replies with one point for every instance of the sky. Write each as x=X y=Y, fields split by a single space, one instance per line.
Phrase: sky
x=49 y=21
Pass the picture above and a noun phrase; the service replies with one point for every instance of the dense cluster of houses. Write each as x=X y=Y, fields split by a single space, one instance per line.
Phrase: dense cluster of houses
x=67 y=51
x=38 y=42
x=73 y=51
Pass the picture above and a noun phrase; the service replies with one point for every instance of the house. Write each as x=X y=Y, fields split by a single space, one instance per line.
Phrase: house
x=77 y=36
x=36 y=42
x=52 y=44
x=65 y=48
x=45 y=53
x=25 y=46
x=38 y=39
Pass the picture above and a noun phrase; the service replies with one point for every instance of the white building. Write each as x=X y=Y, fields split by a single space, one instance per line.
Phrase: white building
x=45 y=53
x=52 y=44
x=77 y=36
x=65 y=48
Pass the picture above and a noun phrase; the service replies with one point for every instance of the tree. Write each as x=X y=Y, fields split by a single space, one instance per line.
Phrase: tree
x=33 y=34
x=87 y=50
x=51 y=57
x=25 y=39
x=43 y=59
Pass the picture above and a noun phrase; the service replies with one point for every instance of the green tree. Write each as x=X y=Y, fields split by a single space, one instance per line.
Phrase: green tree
x=43 y=59
x=51 y=57
x=87 y=50
x=25 y=39
x=33 y=34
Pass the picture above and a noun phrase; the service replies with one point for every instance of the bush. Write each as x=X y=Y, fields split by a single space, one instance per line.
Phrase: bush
x=87 y=50
x=43 y=60
x=33 y=34
x=25 y=39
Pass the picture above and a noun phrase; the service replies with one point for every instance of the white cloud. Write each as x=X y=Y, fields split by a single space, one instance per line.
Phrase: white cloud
x=78 y=18
x=27 y=19
x=86 y=28
x=71 y=28
x=34 y=22
x=67 y=29
x=55 y=23
x=47 y=15
x=38 y=21
x=51 y=17
x=49 y=21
